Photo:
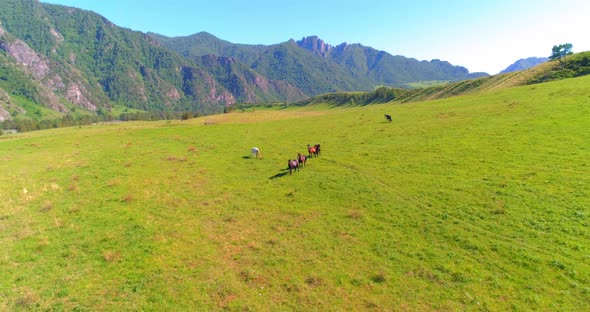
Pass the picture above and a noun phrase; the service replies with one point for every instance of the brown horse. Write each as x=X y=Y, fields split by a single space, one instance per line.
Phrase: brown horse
x=317 y=150
x=311 y=150
x=293 y=165
x=301 y=159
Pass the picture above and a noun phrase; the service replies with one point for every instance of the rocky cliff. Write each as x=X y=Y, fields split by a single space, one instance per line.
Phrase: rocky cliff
x=316 y=45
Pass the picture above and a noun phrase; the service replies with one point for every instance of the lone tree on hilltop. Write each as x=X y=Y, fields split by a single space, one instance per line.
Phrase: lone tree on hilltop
x=559 y=52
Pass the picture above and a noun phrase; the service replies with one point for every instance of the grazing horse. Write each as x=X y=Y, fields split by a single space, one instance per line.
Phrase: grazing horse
x=256 y=152
x=301 y=159
x=311 y=150
x=388 y=117
x=293 y=165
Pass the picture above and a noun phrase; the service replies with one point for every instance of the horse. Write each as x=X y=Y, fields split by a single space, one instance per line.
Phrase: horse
x=317 y=150
x=311 y=150
x=256 y=152
x=301 y=159
x=388 y=117
x=293 y=165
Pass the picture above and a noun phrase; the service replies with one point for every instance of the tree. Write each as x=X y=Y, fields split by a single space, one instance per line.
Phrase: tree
x=559 y=52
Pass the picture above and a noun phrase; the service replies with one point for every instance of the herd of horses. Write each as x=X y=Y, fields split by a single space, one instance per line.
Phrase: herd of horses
x=299 y=161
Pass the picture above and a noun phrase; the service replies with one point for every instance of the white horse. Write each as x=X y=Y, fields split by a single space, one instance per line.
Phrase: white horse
x=256 y=152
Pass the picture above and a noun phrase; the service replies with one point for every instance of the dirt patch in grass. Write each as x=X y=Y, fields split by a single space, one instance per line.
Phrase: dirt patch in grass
x=114 y=182
x=314 y=281
x=355 y=214
x=111 y=256
x=46 y=206
x=28 y=299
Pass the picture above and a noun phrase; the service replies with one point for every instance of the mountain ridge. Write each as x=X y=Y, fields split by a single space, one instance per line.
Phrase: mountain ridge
x=364 y=68
x=67 y=60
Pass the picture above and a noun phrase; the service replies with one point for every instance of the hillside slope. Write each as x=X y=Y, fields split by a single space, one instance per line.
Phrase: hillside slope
x=578 y=65
x=85 y=60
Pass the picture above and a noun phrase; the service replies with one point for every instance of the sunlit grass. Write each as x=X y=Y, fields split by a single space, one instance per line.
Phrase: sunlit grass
x=469 y=203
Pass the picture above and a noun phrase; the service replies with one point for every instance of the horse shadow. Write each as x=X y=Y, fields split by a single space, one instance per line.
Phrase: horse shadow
x=280 y=174
x=247 y=157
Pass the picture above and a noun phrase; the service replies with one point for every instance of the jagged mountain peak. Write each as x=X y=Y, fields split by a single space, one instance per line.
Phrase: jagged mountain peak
x=315 y=45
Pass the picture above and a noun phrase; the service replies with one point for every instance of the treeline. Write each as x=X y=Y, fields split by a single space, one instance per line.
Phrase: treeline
x=24 y=125
x=158 y=116
x=377 y=96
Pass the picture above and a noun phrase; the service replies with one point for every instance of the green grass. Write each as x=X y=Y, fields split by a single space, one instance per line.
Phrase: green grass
x=33 y=111
x=426 y=84
x=117 y=110
x=478 y=202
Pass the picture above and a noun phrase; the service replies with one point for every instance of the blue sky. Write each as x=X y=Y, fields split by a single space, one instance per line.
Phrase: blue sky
x=484 y=35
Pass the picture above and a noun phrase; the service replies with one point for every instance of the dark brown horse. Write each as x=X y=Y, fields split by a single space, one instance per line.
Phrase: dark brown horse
x=388 y=117
x=301 y=159
x=293 y=165
x=317 y=150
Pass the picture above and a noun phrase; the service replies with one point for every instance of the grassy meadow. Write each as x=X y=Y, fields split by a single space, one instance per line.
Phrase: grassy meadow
x=478 y=202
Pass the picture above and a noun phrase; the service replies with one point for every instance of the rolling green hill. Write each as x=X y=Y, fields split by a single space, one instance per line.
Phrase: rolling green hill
x=474 y=202
x=579 y=65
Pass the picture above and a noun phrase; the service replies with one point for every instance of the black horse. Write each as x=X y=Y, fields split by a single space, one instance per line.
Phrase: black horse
x=388 y=117
x=293 y=165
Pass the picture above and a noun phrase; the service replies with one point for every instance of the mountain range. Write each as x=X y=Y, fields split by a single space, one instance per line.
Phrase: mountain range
x=57 y=60
x=523 y=64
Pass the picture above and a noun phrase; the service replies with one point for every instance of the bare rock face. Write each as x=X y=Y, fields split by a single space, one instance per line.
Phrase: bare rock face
x=173 y=94
x=4 y=115
x=214 y=95
x=57 y=35
x=75 y=94
x=4 y=102
x=25 y=56
x=39 y=67
x=315 y=45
